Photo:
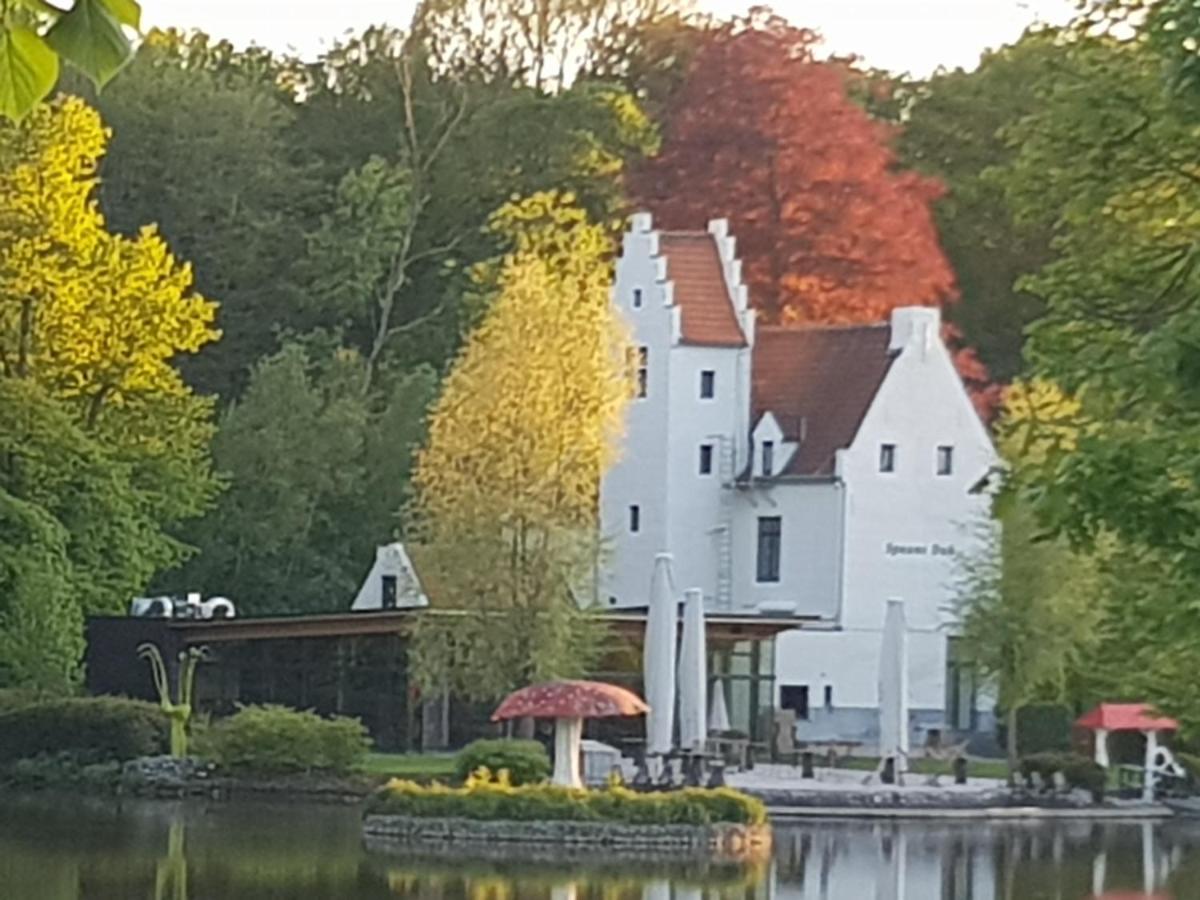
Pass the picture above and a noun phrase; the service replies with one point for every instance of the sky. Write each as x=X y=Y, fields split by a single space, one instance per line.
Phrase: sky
x=915 y=36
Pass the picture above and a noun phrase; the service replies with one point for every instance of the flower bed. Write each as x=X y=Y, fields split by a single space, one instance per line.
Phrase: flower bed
x=487 y=811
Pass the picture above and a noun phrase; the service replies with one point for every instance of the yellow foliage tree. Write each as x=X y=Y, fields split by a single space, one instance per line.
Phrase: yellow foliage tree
x=506 y=487
x=90 y=322
x=93 y=316
x=1038 y=419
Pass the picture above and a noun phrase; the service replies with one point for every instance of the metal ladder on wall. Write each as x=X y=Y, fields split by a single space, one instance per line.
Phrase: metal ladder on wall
x=724 y=529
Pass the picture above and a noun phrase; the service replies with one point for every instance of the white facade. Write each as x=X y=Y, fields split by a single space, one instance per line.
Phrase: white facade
x=850 y=535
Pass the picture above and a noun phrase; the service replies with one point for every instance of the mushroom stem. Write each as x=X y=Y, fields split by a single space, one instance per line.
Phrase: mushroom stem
x=568 y=741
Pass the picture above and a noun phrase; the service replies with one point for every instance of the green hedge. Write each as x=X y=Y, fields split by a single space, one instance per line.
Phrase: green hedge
x=525 y=761
x=1077 y=771
x=276 y=739
x=92 y=728
x=1043 y=728
x=492 y=801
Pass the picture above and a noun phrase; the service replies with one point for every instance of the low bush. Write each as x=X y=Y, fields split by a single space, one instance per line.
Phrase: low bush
x=17 y=698
x=493 y=800
x=525 y=761
x=276 y=739
x=1077 y=772
x=87 y=728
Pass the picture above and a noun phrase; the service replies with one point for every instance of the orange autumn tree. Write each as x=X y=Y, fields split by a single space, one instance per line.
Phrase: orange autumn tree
x=764 y=135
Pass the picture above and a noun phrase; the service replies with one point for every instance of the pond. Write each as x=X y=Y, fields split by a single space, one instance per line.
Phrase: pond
x=71 y=849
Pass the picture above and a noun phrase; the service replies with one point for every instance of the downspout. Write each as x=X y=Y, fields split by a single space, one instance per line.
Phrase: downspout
x=843 y=489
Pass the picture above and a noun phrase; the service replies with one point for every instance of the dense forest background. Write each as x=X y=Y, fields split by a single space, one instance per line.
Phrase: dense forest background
x=309 y=247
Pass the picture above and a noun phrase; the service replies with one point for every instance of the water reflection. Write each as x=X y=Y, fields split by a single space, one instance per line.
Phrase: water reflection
x=65 y=850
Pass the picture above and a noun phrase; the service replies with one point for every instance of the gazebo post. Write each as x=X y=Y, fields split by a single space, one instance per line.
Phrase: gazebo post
x=1102 y=747
x=1151 y=751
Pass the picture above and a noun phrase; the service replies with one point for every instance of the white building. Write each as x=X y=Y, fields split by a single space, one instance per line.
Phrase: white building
x=807 y=472
x=392 y=582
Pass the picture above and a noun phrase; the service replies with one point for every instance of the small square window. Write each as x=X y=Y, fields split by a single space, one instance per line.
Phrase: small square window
x=708 y=384
x=635 y=519
x=887 y=457
x=637 y=298
x=642 y=361
x=706 y=453
x=768 y=459
x=945 y=460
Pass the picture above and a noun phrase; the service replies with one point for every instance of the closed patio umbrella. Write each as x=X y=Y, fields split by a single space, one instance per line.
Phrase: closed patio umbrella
x=718 y=712
x=693 y=675
x=658 y=666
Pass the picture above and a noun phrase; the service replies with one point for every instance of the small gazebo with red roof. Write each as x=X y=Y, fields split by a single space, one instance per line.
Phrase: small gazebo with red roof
x=1110 y=717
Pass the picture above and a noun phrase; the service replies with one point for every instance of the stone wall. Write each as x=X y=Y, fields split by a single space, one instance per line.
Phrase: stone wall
x=724 y=840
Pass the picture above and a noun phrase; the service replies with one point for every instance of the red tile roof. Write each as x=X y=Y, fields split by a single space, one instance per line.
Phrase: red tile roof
x=694 y=265
x=1126 y=717
x=819 y=383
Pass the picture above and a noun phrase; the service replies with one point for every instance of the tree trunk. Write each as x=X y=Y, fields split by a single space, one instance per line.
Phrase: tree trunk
x=1011 y=742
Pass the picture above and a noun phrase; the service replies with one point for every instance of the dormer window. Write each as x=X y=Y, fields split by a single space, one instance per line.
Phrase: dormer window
x=637 y=298
x=768 y=459
x=887 y=457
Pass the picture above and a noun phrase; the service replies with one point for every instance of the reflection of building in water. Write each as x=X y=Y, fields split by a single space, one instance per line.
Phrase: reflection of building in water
x=980 y=861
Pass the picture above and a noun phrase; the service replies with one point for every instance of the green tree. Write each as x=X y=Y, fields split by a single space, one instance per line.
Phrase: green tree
x=203 y=145
x=316 y=471
x=540 y=43
x=505 y=489
x=104 y=450
x=36 y=34
x=1027 y=613
x=954 y=127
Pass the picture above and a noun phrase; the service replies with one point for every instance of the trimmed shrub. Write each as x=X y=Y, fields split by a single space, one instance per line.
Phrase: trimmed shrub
x=277 y=739
x=491 y=800
x=1077 y=772
x=86 y=728
x=1043 y=728
x=1085 y=774
x=525 y=761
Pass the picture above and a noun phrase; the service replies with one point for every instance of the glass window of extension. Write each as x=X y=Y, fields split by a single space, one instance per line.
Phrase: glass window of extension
x=945 y=460
x=708 y=384
x=768 y=459
x=887 y=457
x=770 y=535
x=795 y=698
x=706 y=459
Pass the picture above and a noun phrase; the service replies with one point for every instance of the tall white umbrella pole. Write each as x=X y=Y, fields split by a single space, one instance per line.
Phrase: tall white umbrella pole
x=893 y=687
x=693 y=675
x=658 y=665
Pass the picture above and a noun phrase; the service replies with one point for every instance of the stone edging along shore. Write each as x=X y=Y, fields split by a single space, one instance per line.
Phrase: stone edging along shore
x=726 y=840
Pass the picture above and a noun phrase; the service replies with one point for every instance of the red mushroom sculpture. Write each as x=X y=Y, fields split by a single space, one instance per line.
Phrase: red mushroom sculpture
x=568 y=703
